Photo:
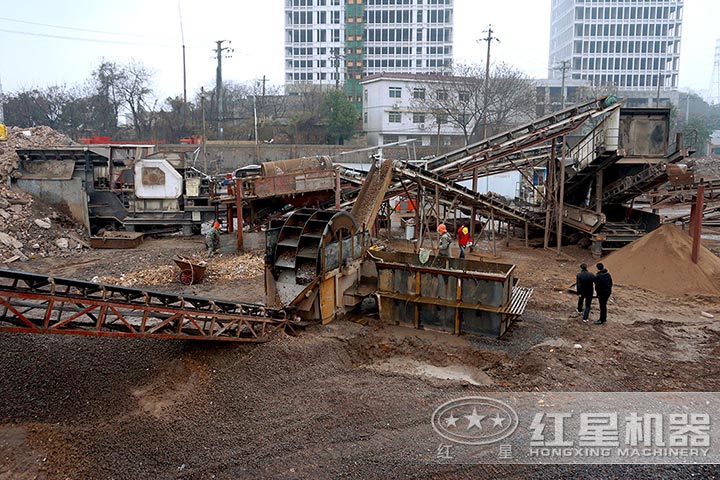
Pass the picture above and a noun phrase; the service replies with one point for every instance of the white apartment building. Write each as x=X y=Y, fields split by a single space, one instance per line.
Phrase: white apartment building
x=393 y=111
x=631 y=44
x=344 y=40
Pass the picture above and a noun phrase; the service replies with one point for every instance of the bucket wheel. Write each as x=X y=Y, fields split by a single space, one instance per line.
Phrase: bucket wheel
x=186 y=277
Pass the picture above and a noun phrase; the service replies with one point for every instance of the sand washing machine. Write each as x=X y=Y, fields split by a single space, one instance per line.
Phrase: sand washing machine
x=313 y=262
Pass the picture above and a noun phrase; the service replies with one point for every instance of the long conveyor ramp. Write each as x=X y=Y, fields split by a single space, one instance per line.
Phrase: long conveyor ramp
x=36 y=303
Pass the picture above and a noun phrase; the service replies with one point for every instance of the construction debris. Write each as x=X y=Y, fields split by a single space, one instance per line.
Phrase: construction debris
x=31 y=229
x=27 y=138
x=28 y=228
x=660 y=262
x=219 y=268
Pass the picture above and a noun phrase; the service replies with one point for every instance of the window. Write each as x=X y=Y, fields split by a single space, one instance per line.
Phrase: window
x=441 y=118
x=395 y=92
x=418 y=118
x=394 y=117
x=442 y=94
x=419 y=93
x=464 y=96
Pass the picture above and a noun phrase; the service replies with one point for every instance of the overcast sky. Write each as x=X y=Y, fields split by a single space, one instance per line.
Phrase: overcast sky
x=34 y=53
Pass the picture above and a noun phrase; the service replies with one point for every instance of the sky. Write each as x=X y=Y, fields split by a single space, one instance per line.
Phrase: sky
x=36 y=53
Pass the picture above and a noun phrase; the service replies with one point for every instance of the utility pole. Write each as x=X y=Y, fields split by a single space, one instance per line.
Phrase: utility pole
x=564 y=67
x=335 y=57
x=262 y=105
x=218 y=83
x=204 y=139
x=486 y=87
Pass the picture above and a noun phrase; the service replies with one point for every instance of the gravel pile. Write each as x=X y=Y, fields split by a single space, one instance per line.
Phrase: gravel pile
x=27 y=138
x=219 y=268
x=31 y=229
x=707 y=168
x=28 y=228
x=297 y=407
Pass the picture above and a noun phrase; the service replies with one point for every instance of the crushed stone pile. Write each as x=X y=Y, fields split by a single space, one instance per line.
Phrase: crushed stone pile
x=661 y=262
x=31 y=229
x=28 y=227
x=707 y=168
x=27 y=138
x=219 y=268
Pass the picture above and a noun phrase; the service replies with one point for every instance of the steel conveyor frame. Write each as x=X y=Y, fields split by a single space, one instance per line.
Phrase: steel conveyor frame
x=36 y=303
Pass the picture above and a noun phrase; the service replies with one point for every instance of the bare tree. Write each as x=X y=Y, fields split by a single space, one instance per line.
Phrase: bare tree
x=135 y=90
x=105 y=100
x=458 y=98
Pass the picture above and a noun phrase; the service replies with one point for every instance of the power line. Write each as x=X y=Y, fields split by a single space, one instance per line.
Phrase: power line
x=95 y=40
x=125 y=34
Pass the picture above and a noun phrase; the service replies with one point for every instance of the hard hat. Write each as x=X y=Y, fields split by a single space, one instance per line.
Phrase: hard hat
x=465 y=230
x=442 y=228
x=216 y=225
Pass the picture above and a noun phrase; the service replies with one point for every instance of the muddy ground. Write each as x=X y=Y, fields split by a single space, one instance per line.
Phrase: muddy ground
x=347 y=400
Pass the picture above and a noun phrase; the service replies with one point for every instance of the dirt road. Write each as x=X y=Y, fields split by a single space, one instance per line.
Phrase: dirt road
x=338 y=401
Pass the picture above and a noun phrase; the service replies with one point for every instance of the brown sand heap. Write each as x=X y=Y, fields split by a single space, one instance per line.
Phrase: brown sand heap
x=661 y=262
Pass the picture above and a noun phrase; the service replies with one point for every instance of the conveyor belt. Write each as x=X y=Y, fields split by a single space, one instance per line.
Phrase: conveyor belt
x=35 y=303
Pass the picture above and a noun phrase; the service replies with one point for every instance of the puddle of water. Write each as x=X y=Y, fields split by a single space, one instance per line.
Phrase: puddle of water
x=409 y=366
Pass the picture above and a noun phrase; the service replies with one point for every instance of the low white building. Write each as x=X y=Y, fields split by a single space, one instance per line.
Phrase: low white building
x=393 y=111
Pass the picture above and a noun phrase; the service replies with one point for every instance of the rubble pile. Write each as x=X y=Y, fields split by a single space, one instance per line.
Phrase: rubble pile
x=29 y=229
x=236 y=267
x=219 y=268
x=707 y=168
x=27 y=138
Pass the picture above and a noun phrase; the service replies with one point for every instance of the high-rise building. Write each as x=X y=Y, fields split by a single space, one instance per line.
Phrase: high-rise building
x=337 y=42
x=714 y=91
x=630 y=44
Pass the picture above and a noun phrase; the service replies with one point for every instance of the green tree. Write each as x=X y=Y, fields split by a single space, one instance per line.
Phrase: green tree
x=339 y=115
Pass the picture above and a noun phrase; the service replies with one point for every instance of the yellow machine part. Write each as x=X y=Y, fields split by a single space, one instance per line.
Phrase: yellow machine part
x=3 y=132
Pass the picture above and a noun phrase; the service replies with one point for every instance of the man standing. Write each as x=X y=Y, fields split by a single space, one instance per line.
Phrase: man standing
x=603 y=287
x=463 y=239
x=444 y=240
x=212 y=239
x=584 y=282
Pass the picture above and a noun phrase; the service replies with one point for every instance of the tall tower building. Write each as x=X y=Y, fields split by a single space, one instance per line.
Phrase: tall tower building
x=633 y=45
x=714 y=91
x=329 y=42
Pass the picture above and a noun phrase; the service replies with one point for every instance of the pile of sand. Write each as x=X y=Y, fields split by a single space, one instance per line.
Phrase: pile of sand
x=661 y=262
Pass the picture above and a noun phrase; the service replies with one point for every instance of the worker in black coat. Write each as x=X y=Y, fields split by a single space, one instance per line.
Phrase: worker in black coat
x=584 y=282
x=603 y=288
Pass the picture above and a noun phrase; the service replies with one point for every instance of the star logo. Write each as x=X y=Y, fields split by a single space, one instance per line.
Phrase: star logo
x=474 y=419
x=451 y=421
x=498 y=420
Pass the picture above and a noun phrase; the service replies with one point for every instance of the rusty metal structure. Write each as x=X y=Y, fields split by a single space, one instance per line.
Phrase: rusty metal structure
x=585 y=188
x=117 y=186
x=33 y=303
x=449 y=294
x=313 y=262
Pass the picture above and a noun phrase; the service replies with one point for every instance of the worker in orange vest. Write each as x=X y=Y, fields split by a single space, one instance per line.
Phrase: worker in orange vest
x=464 y=240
